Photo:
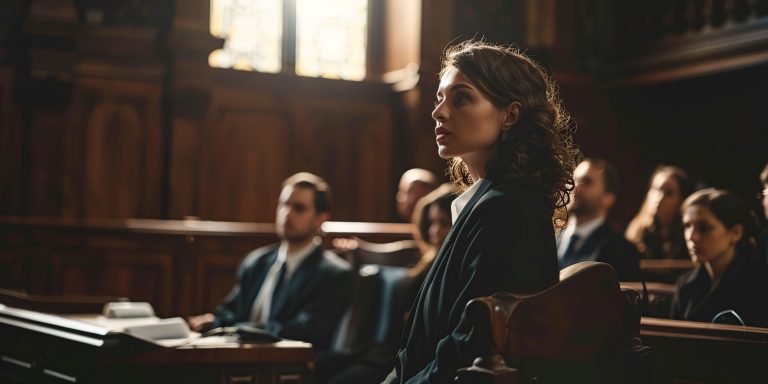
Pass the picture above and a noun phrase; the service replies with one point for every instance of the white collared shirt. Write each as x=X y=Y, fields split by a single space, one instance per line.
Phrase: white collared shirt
x=295 y=258
x=262 y=304
x=460 y=202
x=582 y=230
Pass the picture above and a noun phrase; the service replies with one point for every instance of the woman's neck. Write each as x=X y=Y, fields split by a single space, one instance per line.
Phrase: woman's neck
x=718 y=265
x=476 y=162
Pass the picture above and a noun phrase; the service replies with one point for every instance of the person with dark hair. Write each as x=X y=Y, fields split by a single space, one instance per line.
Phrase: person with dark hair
x=510 y=149
x=728 y=284
x=589 y=236
x=762 y=240
x=657 y=230
x=294 y=289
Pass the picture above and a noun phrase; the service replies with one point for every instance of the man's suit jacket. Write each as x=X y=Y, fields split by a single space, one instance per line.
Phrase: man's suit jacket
x=608 y=246
x=503 y=240
x=308 y=307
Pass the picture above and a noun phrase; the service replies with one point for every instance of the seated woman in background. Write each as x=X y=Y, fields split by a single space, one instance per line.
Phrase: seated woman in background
x=431 y=223
x=719 y=230
x=656 y=230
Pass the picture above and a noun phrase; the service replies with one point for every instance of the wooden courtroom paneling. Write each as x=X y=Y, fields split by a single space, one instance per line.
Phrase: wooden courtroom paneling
x=111 y=263
x=46 y=162
x=124 y=118
x=115 y=150
x=215 y=278
x=181 y=267
x=12 y=272
x=245 y=153
x=185 y=153
x=140 y=275
x=259 y=129
x=348 y=143
x=10 y=146
x=208 y=269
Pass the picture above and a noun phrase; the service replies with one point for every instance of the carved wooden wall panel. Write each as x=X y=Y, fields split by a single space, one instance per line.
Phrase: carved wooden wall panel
x=141 y=275
x=215 y=277
x=46 y=160
x=348 y=143
x=12 y=273
x=115 y=150
x=9 y=146
x=214 y=267
x=244 y=156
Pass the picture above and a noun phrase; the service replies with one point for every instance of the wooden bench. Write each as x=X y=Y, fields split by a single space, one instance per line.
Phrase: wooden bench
x=664 y=270
x=693 y=352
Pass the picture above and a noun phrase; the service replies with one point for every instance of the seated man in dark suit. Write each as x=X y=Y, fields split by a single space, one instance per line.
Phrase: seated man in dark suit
x=294 y=289
x=588 y=236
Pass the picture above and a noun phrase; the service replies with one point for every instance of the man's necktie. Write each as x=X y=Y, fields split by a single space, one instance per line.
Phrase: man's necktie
x=263 y=302
x=569 y=256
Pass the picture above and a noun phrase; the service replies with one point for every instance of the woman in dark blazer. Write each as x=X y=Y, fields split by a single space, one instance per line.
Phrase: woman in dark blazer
x=510 y=147
x=719 y=233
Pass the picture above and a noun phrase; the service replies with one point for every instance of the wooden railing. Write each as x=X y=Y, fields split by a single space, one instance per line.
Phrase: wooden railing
x=182 y=267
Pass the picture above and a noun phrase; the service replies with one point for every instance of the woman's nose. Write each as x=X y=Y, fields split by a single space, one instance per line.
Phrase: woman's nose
x=439 y=113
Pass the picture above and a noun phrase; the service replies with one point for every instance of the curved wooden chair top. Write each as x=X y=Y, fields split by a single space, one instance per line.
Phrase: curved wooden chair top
x=573 y=320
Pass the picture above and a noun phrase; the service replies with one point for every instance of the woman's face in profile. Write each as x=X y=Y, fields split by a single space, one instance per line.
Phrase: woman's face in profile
x=664 y=198
x=439 y=225
x=706 y=237
x=467 y=122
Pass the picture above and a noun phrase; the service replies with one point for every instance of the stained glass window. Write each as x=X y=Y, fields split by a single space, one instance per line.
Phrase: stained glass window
x=253 y=33
x=331 y=38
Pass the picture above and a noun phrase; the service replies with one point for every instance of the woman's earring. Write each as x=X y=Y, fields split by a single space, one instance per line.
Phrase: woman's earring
x=504 y=135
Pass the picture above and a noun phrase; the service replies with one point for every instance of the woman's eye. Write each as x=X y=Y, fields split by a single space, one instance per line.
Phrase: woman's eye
x=461 y=98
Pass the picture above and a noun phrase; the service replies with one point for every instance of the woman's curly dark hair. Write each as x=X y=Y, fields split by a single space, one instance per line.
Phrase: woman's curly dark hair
x=539 y=150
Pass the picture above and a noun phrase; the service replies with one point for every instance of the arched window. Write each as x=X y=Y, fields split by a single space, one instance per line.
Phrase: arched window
x=325 y=38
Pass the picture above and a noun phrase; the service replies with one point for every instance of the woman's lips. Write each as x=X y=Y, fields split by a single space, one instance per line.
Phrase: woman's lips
x=441 y=134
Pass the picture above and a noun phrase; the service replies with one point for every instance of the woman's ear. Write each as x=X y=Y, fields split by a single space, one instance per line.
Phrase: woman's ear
x=737 y=232
x=513 y=115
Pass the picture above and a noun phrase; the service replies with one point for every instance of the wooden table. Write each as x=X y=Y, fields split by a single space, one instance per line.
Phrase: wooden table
x=42 y=348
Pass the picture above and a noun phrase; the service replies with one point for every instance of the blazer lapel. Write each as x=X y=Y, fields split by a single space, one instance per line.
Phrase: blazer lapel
x=293 y=286
x=447 y=245
x=450 y=238
x=258 y=274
